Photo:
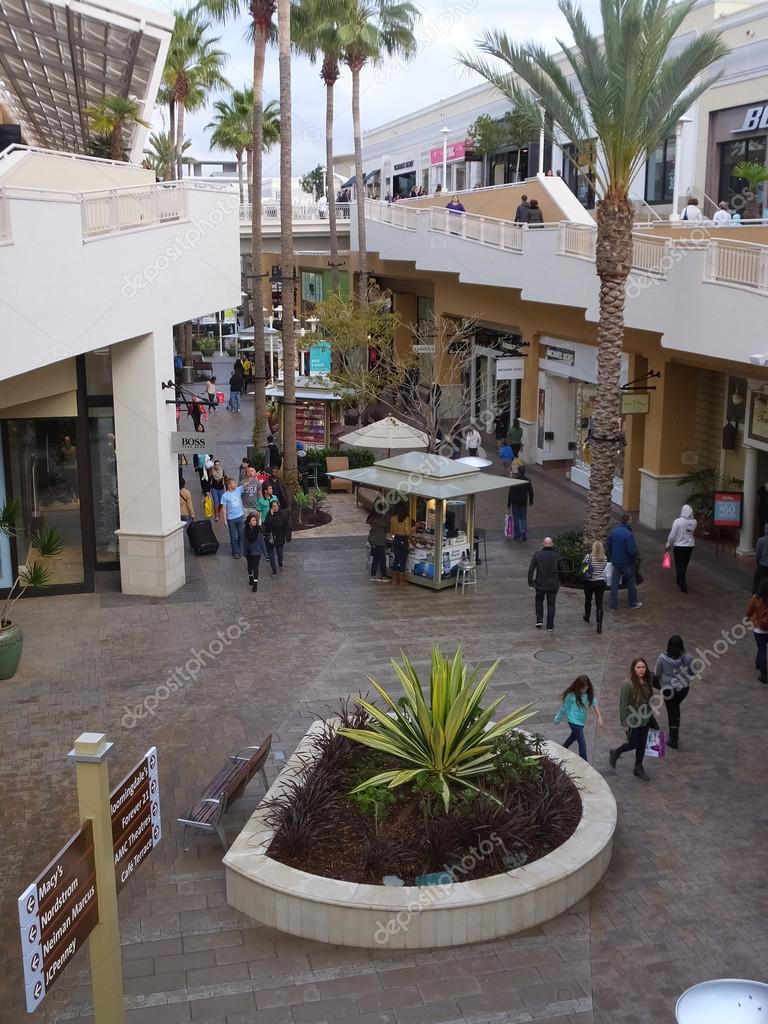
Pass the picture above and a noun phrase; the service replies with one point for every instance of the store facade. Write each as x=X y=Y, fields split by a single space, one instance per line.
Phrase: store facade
x=737 y=135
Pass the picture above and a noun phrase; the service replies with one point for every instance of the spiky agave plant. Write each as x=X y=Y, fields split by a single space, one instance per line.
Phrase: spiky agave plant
x=449 y=737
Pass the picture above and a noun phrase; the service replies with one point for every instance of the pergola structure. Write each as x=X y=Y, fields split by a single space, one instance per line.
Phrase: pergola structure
x=59 y=57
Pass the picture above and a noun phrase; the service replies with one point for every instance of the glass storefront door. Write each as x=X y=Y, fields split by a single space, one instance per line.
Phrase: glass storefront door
x=101 y=428
x=44 y=479
x=732 y=187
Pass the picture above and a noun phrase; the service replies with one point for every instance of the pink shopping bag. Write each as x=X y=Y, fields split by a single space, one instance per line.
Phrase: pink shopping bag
x=666 y=562
x=509 y=526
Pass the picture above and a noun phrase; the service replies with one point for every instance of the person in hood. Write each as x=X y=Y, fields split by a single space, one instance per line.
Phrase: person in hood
x=672 y=676
x=681 y=541
x=544 y=577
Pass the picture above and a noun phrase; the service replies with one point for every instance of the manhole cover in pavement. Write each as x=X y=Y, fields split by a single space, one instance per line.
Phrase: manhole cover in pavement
x=553 y=657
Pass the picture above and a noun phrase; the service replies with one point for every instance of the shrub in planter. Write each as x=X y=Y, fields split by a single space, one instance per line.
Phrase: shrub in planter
x=572 y=548
x=207 y=347
x=359 y=458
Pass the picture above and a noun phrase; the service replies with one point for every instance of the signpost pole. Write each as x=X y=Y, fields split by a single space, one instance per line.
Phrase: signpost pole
x=90 y=756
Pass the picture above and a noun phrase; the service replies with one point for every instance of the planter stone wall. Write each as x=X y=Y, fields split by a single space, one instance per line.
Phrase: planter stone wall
x=426 y=917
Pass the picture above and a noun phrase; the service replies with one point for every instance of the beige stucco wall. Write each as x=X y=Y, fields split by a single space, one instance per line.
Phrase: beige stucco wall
x=49 y=391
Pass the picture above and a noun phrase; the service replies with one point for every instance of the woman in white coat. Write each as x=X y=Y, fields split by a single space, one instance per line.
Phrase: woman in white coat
x=681 y=542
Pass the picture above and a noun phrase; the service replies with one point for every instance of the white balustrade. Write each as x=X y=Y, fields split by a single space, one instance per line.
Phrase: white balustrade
x=578 y=240
x=126 y=209
x=648 y=255
x=739 y=264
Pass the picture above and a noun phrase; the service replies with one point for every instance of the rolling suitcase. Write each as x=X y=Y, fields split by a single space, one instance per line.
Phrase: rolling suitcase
x=202 y=538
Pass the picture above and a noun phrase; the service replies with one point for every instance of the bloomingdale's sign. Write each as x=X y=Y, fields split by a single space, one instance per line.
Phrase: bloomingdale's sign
x=754 y=118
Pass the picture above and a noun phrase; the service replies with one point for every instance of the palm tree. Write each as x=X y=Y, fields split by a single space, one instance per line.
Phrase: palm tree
x=262 y=31
x=315 y=32
x=630 y=95
x=232 y=131
x=159 y=155
x=193 y=68
x=110 y=119
x=370 y=30
x=286 y=243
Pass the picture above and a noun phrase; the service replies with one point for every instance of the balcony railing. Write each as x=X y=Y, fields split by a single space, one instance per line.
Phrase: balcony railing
x=128 y=208
x=301 y=212
x=5 y=219
x=577 y=240
x=738 y=264
x=502 y=234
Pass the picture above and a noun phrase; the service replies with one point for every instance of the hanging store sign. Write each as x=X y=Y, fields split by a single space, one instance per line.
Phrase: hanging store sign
x=560 y=355
x=754 y=119
x=181 y=442
x=453 y=151
x=320 y=357
x=424 y=349
x=57 y=913
x=135 y=809
x=509 y=368
x=635 y=403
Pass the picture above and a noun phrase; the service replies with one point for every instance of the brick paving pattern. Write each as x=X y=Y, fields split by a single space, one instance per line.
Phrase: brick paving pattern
x=684 y=899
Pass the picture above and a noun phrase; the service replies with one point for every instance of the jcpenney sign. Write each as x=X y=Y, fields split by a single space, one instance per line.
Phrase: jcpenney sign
x=755 y=117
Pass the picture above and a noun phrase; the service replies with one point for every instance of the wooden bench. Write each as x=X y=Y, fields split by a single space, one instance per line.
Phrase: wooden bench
x=202 y=369
x=227 y=787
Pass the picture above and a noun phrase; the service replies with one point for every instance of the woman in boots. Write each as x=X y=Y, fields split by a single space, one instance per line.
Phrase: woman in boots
x=757 y=613
x=593 y=569
x=401 y=526
x=255 y=548
x=672 y=676
x=636 y=715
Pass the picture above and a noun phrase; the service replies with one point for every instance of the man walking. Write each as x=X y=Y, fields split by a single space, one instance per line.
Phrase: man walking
x=519 y=497
x=622 y=554
x=522 y=211
x=544 y=576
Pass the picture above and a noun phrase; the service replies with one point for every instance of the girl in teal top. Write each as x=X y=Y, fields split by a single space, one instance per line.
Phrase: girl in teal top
x=577 y=700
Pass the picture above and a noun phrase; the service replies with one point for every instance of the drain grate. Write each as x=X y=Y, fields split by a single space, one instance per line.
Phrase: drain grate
x=553 y=657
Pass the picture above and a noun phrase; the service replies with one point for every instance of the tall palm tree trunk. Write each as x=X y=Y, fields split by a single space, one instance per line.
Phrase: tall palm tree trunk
x=169 y=174
x=329 y=187
x=613 y=261
x=180 y=141
x=256 y=283
x=362 y=256
x=286 y=243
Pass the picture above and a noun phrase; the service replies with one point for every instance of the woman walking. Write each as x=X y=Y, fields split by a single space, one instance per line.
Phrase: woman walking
x=401 y=527
x=277 y=532
x=377 y=539
x=672 y=676
x=577 y=700
x=636 y=715
x=210 y=390
x=234 y=516
x=593 y=569
x=255 y=548
x=681 y=541
x=216 y=476
x=757 y=613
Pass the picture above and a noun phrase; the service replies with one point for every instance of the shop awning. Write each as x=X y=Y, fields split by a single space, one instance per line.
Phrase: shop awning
x=367 y=178
x=426 y=475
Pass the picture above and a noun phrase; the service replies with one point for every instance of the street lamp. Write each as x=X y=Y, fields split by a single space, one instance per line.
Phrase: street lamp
x=675 y=216
x=445 y=132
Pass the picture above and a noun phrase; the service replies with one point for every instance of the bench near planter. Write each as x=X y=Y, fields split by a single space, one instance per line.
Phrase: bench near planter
x=426 y=917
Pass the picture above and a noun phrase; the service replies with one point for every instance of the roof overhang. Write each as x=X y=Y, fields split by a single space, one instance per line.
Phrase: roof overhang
x=58 y=57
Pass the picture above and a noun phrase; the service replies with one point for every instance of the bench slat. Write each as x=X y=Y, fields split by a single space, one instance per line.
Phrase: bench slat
x=226 y=787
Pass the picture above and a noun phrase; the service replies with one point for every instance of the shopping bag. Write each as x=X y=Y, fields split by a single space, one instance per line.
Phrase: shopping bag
x=608 y=573
x=509 y=526
x=666 y=562
x=656 y=743
x=208 y=506
x=220 y=397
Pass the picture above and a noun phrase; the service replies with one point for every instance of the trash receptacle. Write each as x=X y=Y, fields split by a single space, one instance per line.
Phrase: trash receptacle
x=189 y=374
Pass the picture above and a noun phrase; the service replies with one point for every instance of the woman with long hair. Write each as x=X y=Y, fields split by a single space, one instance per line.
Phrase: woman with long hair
x=757 y=613
x=401 y=526
x=672 y=676
x=636 y=715
x=576 y=702
x=216 y=476
x=593 y=569
x=255 y=548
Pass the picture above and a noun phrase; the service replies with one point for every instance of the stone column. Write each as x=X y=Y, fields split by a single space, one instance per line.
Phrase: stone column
x=529 y=396
x=747 y=535
x=150 y=534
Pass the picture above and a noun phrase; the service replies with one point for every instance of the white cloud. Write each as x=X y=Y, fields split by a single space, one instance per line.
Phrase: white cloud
x=446 y=26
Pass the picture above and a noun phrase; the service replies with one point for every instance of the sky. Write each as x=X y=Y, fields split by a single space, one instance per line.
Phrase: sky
x=386 y=93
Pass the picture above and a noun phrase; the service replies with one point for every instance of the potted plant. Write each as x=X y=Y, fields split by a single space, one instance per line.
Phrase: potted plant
x=702 y=484
x=45 y=544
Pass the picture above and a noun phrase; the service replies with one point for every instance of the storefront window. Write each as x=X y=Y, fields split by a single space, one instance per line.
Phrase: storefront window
x=44 y=478
x=311 y=288
x=98 y=371
x=660 y=172
x=101 y=427
x=739 y=151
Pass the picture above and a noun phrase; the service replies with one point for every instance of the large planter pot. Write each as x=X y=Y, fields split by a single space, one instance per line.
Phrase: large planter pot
x=11 y=642
x=412 y=917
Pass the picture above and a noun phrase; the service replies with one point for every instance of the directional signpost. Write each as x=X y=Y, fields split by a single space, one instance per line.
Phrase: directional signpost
x=57 y=913
x=75 y=897
x=135 y=809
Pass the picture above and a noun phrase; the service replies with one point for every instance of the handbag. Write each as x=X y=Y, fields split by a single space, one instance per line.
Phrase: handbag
x=608 y=573
x=208 y=506
x=220 y=397
x=656 y=743
x=509 y=526
x=666 y=562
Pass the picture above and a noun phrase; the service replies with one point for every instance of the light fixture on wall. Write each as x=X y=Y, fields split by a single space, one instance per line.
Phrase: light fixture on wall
x=737 y=398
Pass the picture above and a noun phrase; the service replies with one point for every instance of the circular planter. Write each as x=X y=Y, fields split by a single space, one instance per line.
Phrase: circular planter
x=11 y=642
x=422 y=917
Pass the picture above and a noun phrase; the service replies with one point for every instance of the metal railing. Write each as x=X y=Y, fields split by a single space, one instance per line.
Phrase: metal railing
x=301 y=212
x=577 y=240
x=740 y=264
x=129 y=208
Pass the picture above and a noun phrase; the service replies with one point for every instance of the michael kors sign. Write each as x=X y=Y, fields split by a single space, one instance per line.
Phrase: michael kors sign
x=755 y=117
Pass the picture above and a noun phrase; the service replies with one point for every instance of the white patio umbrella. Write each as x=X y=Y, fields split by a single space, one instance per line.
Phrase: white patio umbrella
x=388 y=433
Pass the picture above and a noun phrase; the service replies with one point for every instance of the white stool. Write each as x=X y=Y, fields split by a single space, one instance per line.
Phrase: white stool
x=466 y=576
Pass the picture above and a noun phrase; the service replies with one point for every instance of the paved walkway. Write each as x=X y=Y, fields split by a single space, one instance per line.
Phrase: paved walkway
x=684 y=900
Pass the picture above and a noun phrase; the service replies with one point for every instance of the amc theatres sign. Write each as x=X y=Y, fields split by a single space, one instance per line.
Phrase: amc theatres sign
x=754 y=119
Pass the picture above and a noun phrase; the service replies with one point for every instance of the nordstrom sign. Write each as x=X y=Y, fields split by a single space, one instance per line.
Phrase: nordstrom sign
x=755 y=117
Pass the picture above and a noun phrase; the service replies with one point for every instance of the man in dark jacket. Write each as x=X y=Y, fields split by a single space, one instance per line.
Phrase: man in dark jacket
x=236 y=384
x=622 y=554
x=519 y=497
x=544 y=576
x=521 y=213
x=277 y=531
x=274 y=458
